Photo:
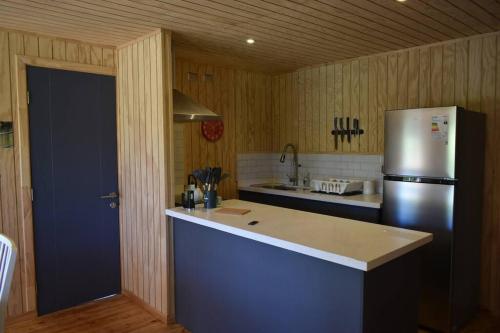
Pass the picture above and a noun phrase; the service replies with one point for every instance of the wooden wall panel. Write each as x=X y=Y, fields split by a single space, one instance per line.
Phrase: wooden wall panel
x=413 y=77
x=22 y=298
x=322 y=94
x=436 y=82
x=370 y=128
x=315 y=128
x=337 y=93
x=363 y=102
x=461 y=72
x=381 y=99
x=486 y=81
x=250 y=108
x=346 y=102
x=8 y=208
x=308 y=113
x=283 y=110
x=146 y=168
x=491 y=285
x=402 y=80
x=392 y=81
x=424 y=75
x=330 y=105
x=16 y=46
x=448 y=91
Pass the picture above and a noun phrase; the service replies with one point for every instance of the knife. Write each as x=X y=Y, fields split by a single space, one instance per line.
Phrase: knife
x=208 y=179
x=216 y=177
x=342 y=129
x=336 y=132
x=348 y=130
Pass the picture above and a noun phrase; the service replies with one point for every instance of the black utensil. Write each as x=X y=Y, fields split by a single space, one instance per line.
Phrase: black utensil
x=348 y=130
x=356 y=127
x=336 y=132
x=200 y=175
x=208 y=179
x=342 y=131
x=217 y=173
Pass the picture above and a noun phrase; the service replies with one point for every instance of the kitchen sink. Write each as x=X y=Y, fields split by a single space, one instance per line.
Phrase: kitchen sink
x=282 y=187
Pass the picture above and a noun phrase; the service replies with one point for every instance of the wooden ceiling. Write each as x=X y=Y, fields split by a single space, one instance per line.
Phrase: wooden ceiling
x=288 y=34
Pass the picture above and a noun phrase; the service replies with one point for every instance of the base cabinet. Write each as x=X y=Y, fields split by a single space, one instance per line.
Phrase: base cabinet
x=230 y=284
x=365 y=214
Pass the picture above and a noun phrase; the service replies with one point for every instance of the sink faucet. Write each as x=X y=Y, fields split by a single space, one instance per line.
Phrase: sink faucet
x=295 y=178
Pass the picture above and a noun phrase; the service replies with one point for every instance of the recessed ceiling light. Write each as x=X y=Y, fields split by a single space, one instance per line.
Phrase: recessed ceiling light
x=400 y=0
x=250 y=41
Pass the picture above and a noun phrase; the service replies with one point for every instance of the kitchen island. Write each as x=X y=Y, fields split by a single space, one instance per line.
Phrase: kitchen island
x=282 y=270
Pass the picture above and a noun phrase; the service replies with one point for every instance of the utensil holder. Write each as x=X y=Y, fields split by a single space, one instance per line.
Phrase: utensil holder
x=210 y=199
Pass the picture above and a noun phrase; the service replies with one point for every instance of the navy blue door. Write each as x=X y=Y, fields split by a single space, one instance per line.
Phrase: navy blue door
x=73 y=163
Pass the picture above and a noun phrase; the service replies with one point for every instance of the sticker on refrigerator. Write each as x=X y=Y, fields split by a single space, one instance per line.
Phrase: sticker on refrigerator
x=439 y=128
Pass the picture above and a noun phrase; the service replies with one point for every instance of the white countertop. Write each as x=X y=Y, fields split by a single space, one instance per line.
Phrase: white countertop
x=351 y=243
x=360 y=200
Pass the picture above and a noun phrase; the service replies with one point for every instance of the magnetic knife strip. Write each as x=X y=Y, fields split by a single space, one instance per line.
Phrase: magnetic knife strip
x=340 y=131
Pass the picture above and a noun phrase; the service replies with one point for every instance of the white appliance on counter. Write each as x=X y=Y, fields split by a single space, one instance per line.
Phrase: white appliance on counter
x=337 y=186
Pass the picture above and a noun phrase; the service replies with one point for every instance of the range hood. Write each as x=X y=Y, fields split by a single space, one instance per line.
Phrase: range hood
x=186 y=109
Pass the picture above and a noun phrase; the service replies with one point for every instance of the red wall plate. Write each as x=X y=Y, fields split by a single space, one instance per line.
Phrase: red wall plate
x=212 y=130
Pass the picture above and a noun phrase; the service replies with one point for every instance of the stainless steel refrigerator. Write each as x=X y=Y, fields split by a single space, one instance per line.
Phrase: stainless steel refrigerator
x=433 y=182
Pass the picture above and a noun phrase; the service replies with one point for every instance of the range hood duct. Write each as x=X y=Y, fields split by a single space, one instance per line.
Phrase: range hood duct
x=187 y=110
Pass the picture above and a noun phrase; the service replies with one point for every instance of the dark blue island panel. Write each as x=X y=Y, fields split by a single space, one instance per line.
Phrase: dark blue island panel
x=229 y=284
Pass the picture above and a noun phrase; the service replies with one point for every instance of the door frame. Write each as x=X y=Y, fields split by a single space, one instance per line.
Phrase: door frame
x=22 y=154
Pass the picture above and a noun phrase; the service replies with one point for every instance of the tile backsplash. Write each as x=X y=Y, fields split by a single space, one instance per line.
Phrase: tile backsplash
x=266 y=166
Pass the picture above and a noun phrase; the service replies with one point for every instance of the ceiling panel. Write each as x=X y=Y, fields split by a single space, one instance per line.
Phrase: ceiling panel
x=288 y=34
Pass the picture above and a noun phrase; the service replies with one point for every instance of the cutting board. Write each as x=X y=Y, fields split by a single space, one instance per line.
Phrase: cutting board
x=233 y=211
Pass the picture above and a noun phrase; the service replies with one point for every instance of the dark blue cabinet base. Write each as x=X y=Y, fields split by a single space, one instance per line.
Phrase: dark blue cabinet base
x=327 y=208
x=227 y=284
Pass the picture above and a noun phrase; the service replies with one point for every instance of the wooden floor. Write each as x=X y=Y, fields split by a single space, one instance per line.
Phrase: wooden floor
x=482 y=323
x=121 y=315
x=115 y=315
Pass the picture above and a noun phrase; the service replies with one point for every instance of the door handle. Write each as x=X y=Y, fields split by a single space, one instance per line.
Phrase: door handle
x=112 y=195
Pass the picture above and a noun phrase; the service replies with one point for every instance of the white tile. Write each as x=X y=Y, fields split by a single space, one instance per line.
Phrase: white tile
x=319 y=166
x=367 y=166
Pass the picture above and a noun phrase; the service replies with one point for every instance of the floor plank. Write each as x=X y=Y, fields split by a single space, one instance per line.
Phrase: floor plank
x=482 y=323
x=121 y=315
x=117 y=314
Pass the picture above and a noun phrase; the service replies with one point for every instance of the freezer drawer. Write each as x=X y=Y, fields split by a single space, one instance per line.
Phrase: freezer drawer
x=429 y=208
x=420 y=142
